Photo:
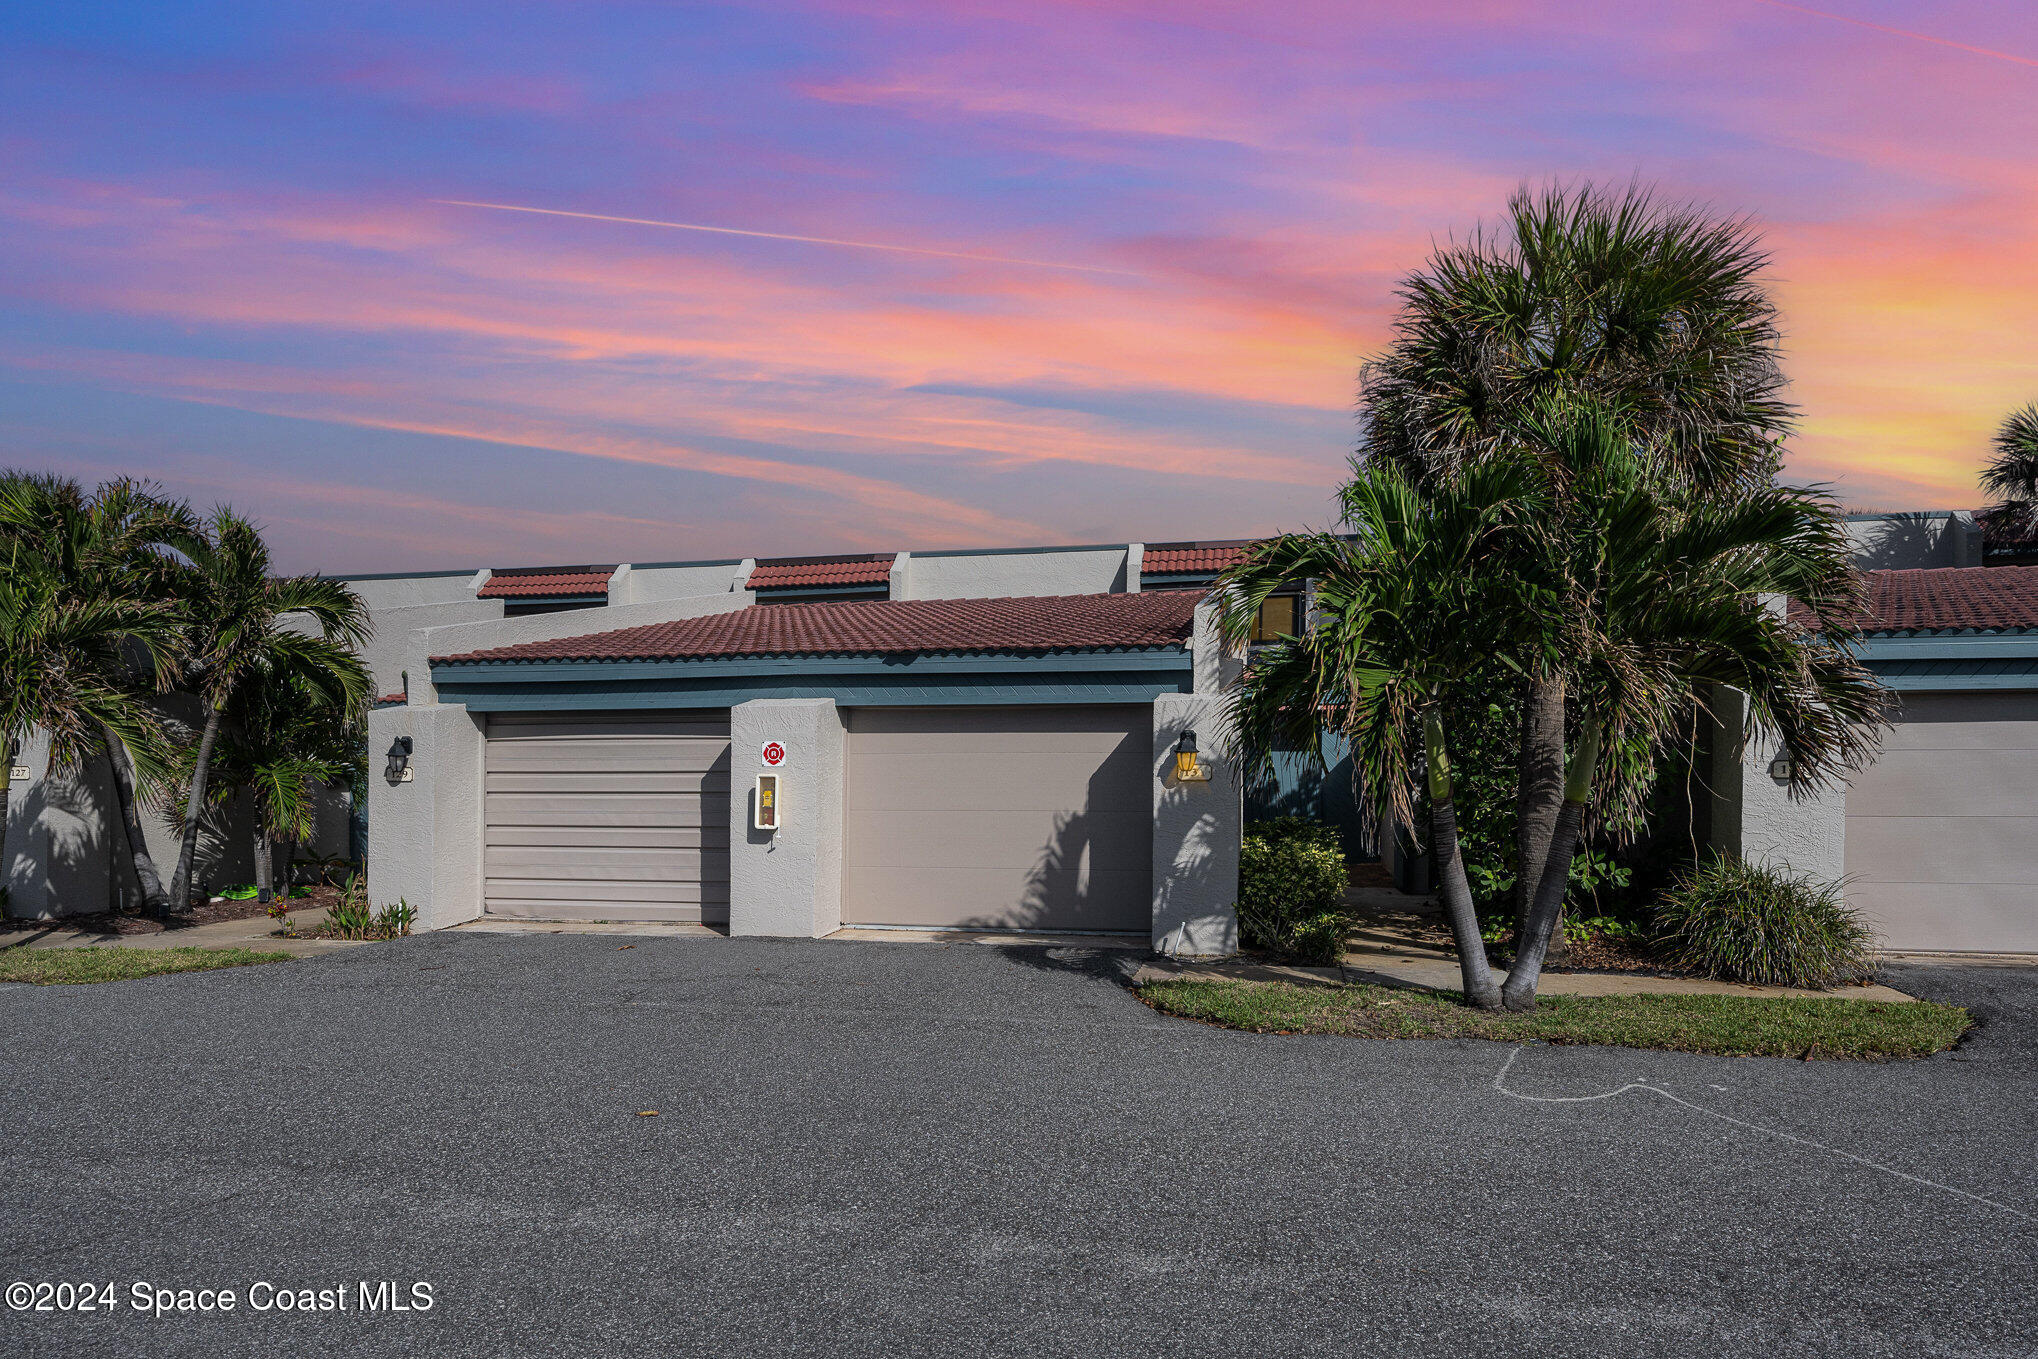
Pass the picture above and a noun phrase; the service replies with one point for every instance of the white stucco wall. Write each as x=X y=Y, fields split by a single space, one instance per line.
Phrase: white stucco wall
x=1755 y=817
x=457 y=639
x=1196 y=831
x=1006 y=575
x=426 y=835
x=787 y=882
x=384 y=653
x=647 y=584
x=1216 y=666
x=397 y=592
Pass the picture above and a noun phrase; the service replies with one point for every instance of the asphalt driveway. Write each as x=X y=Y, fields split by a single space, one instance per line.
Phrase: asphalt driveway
x=880 y=1149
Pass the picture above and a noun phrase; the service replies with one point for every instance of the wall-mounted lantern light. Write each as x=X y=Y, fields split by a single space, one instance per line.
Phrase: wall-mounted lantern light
x=398 y=768
x=1781 y=767
x=1187 y=770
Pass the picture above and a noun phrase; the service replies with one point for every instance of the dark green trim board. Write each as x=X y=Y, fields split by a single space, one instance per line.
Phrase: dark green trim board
x=853 y=681
x=1953 y=661
x=1972 y=675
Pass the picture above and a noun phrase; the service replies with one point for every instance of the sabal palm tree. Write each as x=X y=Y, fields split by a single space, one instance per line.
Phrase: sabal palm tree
x=89 y=630
x=2012 y=477
x=1663 y=599
x=1590 y=294
x=242 y=625
x=1408 y=605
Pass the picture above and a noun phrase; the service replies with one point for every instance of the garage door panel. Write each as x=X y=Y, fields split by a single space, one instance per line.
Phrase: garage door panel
x=613 y=837
x=955 y=898
x=1940 y=849
x=1964 y=722
x=608 y=757
x=622 y=809
x=999 y=818
x=520 y=727
x=711 y=781
x=1021 y=841
x=974 y=781
x=599 y=863
x=609 y=817
x=615 y=892
x=1971 y=918
x=1972 y=783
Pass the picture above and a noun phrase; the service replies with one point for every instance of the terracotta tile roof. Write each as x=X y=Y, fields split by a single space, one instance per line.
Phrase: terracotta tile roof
x=1939 y=598
x=547 y=581
x=801 y=573
x=387 y=700
x=881 y=627
x=1190 y=559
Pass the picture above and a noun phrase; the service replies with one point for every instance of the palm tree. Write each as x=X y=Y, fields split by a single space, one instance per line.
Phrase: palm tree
x=1409 y=604
x=1598 y=295
x=2012 y=478
x=241 y=620
x=281 y=739
x=1662 y=599
x=89 y=628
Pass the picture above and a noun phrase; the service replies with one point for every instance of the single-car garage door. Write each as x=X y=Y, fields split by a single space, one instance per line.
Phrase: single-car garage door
x=1942 y=830
x=610 y=817
x=999 y=818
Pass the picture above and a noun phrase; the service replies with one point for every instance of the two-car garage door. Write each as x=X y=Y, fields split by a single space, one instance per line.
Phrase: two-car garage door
x=1942 y=830
x=987 y=818
x=608 y=816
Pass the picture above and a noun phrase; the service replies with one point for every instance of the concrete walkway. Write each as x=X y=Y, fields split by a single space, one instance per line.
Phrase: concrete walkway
x=255 y=932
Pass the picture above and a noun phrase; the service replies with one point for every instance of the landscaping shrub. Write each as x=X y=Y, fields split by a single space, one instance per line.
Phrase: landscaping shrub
x=1748 y=923
x=1291 y=889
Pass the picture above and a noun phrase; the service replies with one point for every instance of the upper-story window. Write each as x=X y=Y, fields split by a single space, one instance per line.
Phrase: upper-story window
x=1279 y=616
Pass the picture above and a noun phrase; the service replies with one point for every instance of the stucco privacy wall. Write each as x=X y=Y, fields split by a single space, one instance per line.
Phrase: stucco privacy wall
x=386 y=653
x=1006 y=575
x=1755 y=816
x=787 y=882
x=428 y=832
x=457 y=639
x=1196 y=831
x=674 y=580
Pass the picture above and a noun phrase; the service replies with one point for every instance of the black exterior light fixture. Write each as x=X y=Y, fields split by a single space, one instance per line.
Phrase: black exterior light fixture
x=398 y=767
x=1781 y=768
x=1187 y=770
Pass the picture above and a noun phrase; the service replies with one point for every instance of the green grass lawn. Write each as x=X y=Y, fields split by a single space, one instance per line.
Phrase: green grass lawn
x=1728 y=1026
x=66 y=966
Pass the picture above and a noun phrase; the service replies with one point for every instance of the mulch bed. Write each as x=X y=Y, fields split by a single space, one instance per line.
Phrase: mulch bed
x=210 y=913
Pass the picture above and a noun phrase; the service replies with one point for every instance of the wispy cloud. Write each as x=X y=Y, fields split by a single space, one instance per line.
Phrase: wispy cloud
x=787 y=236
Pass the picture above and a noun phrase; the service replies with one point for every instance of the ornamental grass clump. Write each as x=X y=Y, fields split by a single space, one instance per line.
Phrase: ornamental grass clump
x=1291 y=890
x=1749 y=923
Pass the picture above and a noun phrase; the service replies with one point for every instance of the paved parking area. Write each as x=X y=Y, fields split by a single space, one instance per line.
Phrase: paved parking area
x=892 y=1149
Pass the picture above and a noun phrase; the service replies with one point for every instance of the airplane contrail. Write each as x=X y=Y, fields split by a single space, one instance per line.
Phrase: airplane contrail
x=784 y=236
x=1905 y=33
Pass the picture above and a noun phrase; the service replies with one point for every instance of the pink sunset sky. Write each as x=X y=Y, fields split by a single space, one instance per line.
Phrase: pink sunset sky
x=984 y=274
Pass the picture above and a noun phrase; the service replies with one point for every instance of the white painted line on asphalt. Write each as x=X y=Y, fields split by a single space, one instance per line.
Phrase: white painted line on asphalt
x=1500 y=1084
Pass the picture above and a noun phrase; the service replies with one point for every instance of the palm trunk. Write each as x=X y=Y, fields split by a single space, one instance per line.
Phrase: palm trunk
x=1475 y=976
x=1540 y=794
x=194 y=807
x=1520 y=991
x=154 y=899
x=265 y=867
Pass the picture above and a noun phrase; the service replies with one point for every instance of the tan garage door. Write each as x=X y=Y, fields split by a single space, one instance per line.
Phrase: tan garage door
x=608 y=817
x=1000 y=818
x=1942 y=830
